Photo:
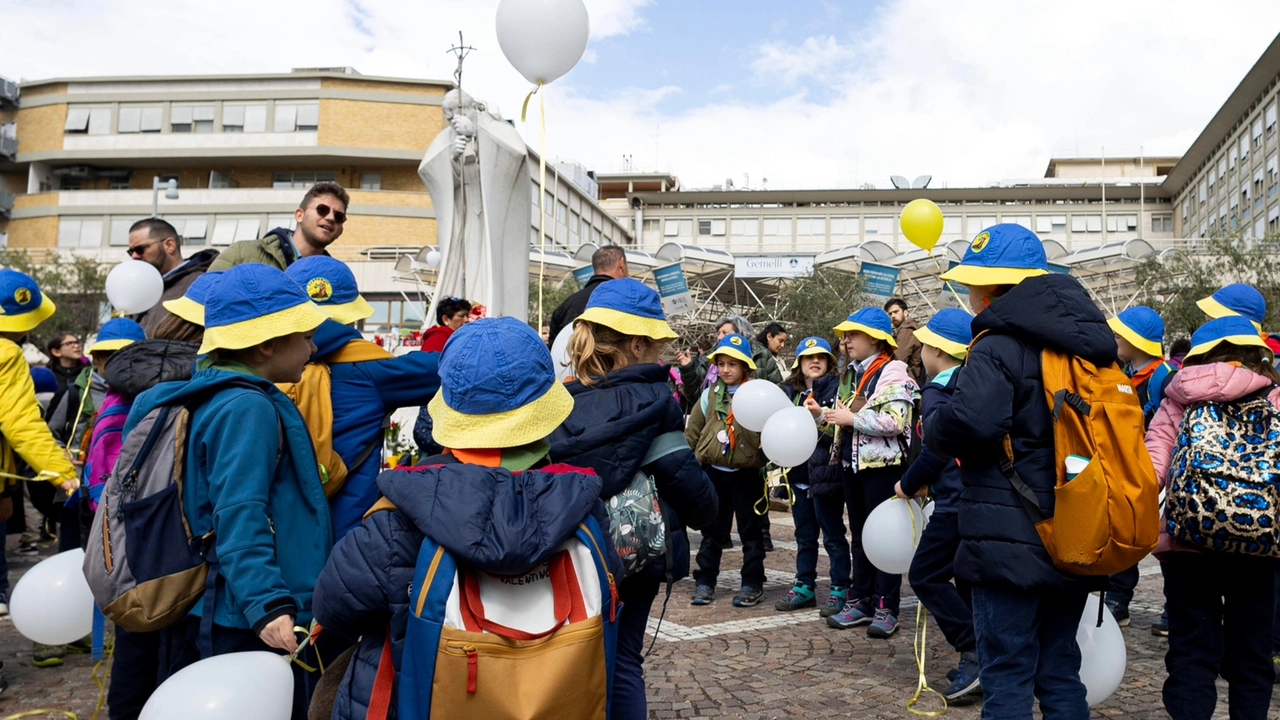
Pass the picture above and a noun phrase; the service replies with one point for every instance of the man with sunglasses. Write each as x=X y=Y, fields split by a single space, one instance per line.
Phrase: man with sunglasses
x=157 y=242
x=319 y=218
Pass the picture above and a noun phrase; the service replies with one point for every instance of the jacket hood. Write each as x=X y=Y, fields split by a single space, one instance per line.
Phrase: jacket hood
x=180 y=391
x=1215 y=382
x=1052 y=311
x=501 y=522
x=197 y=263
x=332 y=335
x=435 y=330
x=141 y=366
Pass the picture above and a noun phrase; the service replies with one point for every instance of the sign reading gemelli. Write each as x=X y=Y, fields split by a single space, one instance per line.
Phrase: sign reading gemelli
x=773 y=266
x=673 y=289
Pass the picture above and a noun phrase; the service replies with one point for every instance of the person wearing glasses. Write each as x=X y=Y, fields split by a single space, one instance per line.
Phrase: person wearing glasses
x=319 y=218
x=155 y=241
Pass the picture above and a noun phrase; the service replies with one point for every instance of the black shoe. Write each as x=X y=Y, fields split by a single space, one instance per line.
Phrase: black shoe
x=964 y=679
x=1160 y=628
x=703 y=595
x=747 y=596
x=768 y=544
x=1120 y=613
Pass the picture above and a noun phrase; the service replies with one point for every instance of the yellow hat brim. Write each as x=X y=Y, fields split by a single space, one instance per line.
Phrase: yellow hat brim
x=629 y=324
x=1150 y=347
x=1215 y=310
x=525 y=424
x=1243 y=340
x=734 y=353
x=815 y=350
x=28 y=320
x=847 y=326
x=347 y=313
x=187 y=309
x=109 y=345
x=986 y=276
x=247 y=333
x=950 y=347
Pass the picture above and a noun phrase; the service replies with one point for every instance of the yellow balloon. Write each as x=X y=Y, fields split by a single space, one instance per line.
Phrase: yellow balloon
x=922 y=223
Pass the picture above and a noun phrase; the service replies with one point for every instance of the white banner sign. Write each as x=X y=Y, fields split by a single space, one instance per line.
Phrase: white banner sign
x=773 y=266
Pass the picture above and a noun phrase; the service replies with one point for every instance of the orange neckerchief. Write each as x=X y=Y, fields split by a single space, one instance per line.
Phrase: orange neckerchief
x=872 y=369
x=1141 y=376
x=488 y=457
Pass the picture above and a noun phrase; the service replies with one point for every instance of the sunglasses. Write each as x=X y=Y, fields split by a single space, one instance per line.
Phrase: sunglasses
x=137 y=250
x=338 y=216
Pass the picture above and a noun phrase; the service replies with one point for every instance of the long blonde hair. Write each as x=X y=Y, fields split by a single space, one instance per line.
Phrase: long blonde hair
x=595 y=350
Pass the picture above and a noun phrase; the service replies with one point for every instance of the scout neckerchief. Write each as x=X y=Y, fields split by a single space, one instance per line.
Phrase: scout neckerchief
x=726 y=436
x=846 y=392
x=516 y=459
x=1140 y=376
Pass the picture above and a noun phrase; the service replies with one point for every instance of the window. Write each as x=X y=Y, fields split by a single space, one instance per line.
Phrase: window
x=370 y=181
x=777 y=227
x=1231 y=157
x=1273 y=165
x=1122 y=223
x=229 y=230
x=1222 y=169
x=1185 y=205
x=1162 y=223
x=292 y=117
x=573 y=223
x=300 y=178
x=713 y=227
x=1271 y=116
x=672 y=228
x=1086 y=223
x=1204 y=192
x=244 y=118
x=1023 y=220
x=70 y=183
x=562 y=213
x=978 y=223
x=650 y=226
x=1257 y=131
x=1244 y=147
x=79 y=233
x=548 y=202
x=844 y=227
x=191 y=118
x=91 y=121
x=120 y=230
x=283 y=220
x=811 y=226
x=118 y=183
x=745 y=227
x=220 y=180
x=192 y=228
x=139 y=119
x=879 y=225
x=1051 y=223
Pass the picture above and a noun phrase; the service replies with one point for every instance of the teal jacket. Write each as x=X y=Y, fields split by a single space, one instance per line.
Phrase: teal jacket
x=271 y=521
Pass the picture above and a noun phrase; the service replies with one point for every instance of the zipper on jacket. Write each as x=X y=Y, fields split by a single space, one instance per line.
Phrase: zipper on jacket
x=613 y=588
x=473 y=659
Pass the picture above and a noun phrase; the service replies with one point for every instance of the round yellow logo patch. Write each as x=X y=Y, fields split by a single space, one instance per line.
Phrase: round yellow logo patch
x=810 y=343
x=319 y=289
x=735 y=340
x=980 y=242
x=22 y=295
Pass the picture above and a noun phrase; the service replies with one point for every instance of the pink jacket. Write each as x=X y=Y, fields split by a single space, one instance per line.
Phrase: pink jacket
x=1217 y=382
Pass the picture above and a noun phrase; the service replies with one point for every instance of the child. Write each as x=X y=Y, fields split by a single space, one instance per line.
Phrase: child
x=1220 y=604
x=945 y=340
x=451 y=314
x=251 y=476
x=819 y=492
x=491 y=501
x=1025 y=612
x=874 y=413
x=1236 y=299
x=622 y=406
x=731 y=456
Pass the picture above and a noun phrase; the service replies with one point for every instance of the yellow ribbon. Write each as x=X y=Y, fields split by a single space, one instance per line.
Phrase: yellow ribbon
x=918 y=645
x=308 y=632
x=786 y=483
x=100 y=681
x=44 y=475
x=42 y=711
x=963 y=305
x=542 y=184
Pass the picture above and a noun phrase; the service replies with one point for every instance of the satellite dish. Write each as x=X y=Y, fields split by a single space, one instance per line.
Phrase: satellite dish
x=921 y=182
x=900 y=182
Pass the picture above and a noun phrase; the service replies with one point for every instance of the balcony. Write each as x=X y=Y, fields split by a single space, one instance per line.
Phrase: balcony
x=6 y=203
x=8 y=93
x=8 y=147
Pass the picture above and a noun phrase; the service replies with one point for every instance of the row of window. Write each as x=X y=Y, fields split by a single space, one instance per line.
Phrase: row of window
x=1251 y=139
x=303 y=179
x=247 y=117
x=849 y=226
x=1224 y=225
x=195 y=229
x=586 y=224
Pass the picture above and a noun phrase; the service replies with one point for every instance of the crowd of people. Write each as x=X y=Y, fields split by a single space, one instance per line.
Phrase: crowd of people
x=284 y=495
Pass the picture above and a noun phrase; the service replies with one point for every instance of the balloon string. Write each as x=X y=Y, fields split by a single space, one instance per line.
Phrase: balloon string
x=72 y=437
x=99 y=680
x=43 y=475
x=542 y=185
x=764 y=501
x=948 y=284
x=918 y=642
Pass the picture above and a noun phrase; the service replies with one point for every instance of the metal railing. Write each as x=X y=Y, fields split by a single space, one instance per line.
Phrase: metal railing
x=8 y=147
x=8 y=92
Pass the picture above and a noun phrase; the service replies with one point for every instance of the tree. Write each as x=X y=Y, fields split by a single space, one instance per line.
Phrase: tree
x=554 y=292
x=1172 y=284
x=76 y=283
x=814 y=305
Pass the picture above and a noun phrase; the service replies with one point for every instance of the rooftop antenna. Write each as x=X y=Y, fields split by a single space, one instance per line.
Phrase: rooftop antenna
x=461 y=50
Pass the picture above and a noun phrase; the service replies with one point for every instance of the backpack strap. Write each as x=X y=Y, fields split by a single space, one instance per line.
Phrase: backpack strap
x=374 y=444
x=380 y=699
x=1072 y=400
x=1025 y=494
x=665 y=444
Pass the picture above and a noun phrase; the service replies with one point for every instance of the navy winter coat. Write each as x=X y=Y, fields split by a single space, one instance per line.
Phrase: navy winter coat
x=824 y=479
x=930 y=468
x=610 y=430
x=999 y=393
x=495 y=520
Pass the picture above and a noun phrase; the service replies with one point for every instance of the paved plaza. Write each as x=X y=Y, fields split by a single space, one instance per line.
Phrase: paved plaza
x=724 y=662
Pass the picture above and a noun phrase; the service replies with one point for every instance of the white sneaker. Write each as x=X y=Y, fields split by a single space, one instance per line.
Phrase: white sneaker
x=4 y=609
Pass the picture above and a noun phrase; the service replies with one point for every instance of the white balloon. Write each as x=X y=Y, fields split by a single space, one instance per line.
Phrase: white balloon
x=235 y=686
x=560 y=354
x=1102 y=653
x=134 y=286
x=927 y=510
x=891 y=533
x=52 y=603
x=756 y=401
x=789 y=437
x=543 y=39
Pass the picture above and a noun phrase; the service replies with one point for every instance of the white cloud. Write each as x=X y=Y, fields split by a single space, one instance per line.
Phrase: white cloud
x=815 y=57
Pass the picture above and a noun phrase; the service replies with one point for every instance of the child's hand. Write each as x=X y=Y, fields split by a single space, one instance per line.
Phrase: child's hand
x=839 y=415
x=897 y=490
x=813 y=407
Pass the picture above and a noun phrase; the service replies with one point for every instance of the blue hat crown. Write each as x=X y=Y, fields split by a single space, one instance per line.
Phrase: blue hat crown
x=734 y=341
x=952 y=324
x=121 y=329
x=326 y=281
x=19 y=293
x=1243 y=299
x=812 y=344
x=1006 y=245
x=198 y=290
x=1144 y=321
x=1223 y=327
x=250 y=291
x=874 y=318
x=629 y=296
x=494 y=365
x=44 y=380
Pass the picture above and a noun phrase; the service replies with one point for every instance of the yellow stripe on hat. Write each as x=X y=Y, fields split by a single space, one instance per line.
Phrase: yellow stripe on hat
x=1150 y=347
x=847 y=326
x=815 y=350
x=984 y=276
x=247 y=333
x=186 y=308
x=109 y=345
x=950 y=347
x=347 y=313
x=734 y=353
x=525 y=424
x=1242 y=340
x=629 y=324
x=1215 y=310
x=22 y=322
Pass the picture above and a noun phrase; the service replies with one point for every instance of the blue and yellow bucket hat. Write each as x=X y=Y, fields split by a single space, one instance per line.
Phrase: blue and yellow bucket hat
x=190 y=306
x=1236 y=299
x=735 y=346
x=22 y=305
x=812 y=346
x=1003 y=254
x=1234 y=329
x=498 y=388
x=948 y=330
x=1142 y=327
x=253 y=303
x=115 y=334
x=871 y=320
x=331 y=285
x=630 y=307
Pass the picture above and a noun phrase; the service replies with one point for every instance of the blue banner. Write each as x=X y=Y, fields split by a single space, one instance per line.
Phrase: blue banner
x=673 y=289
x=583 y=275
x=878 y=281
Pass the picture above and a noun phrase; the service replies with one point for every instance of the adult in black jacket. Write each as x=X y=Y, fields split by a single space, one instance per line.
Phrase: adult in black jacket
x=1025 y=611
x=607 y=263
x=622 y=403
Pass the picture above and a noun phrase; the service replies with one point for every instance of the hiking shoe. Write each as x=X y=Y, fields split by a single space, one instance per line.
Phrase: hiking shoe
x=747 y=596
x=1120 y=613
x=884 y=625
x=798 y=598
x=703 y=595
x=964 y=679
x=855 y=613
x=43 y=656
x=4 y=606
x=767 y=541
x=835 y=602
x=1160 y=628
x=27 y=550
x=83 y=646
x=1275 y=666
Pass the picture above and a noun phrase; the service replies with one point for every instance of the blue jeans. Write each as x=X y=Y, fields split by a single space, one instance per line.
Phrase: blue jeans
x=812 y=514
x=628 y=699
x=1027 y=650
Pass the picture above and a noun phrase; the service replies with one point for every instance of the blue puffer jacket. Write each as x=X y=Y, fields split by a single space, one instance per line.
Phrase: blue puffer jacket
x=234 y=487
x=999 y=393
x=362 y=394
x=496 y=520
x=941 y=474
x=610 y=430
x=824 y=479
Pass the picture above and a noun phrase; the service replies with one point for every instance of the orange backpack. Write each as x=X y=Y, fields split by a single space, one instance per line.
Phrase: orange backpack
x=1107 y=517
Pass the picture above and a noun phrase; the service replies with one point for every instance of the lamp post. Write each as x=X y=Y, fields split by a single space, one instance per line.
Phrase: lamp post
x=170 y=193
